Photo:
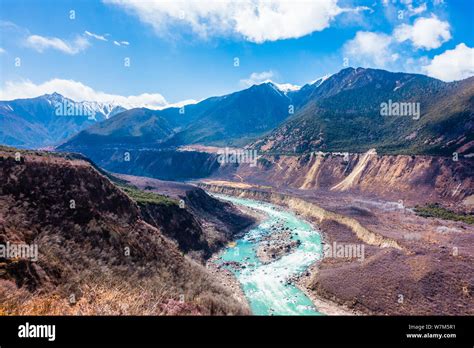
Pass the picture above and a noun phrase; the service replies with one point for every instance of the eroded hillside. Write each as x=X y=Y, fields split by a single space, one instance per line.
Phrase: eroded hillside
x=411 y=179
x=96 y=254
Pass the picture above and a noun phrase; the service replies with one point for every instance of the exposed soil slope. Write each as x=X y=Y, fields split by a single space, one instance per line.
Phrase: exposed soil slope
x=411 y=179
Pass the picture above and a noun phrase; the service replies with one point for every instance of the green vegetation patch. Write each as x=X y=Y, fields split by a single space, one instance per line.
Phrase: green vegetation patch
x=435 y=210
x=145 y=197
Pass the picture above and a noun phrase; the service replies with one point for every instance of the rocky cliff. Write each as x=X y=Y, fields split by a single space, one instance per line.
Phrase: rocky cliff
x=412 y=179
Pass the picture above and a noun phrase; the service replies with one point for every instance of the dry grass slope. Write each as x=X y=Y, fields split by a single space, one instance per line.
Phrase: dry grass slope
x=99 y=253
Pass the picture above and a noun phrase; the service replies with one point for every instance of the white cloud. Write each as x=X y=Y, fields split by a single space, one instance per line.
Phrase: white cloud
x=10 y=27
x=77 y=91
x=370 y=49
x=412 y=10
x=427 y=33
x=2 y=50
x=103 y=38
x=451 y=65
x=95 y=36
x=417 y=10
x=180 y=103
x=41 y=43
x=255 y=20
x=256 y=78
x=121 y=43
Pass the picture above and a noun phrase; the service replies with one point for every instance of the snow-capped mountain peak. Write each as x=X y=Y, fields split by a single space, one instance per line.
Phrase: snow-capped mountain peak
x=319 y=81
x=282 y=88
x=104 y=110
x=287 y=87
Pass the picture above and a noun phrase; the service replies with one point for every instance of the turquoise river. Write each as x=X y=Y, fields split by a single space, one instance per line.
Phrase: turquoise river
x=267 y=287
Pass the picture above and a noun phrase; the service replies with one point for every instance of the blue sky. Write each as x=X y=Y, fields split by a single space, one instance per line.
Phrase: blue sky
x=186 y=49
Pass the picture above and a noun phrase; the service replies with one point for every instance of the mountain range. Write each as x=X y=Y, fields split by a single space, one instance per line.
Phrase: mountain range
x=346 y=113
x=233 y=119
x=49 y=119
x=343 y=112
x=340 y=113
